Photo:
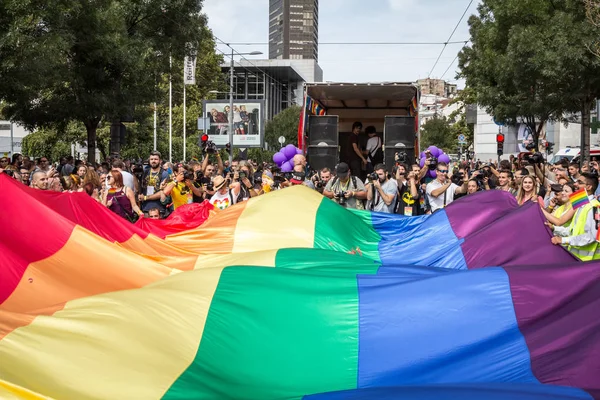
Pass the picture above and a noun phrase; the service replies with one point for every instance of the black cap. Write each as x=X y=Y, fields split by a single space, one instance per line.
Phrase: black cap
x=342 y=169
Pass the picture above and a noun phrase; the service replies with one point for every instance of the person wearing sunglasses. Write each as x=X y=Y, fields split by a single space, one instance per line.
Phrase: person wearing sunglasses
x=441 y=190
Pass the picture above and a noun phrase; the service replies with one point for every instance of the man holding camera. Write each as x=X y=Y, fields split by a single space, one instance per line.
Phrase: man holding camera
x=321 y=179
x=409 y=191
x=183 y=188
x=345 y=189
x=381 y=191
x=441 y=190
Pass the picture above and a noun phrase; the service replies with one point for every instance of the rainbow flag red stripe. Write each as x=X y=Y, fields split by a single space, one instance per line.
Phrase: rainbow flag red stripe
x=579 y=199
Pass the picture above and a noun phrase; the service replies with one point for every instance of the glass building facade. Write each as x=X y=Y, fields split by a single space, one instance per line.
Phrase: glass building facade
x=279 y=86
x=294 y=29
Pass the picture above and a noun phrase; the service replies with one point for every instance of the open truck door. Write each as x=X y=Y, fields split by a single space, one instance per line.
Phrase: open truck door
x=392 y=108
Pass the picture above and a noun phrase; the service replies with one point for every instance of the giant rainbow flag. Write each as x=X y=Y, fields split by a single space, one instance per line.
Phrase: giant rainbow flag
x=291 y=296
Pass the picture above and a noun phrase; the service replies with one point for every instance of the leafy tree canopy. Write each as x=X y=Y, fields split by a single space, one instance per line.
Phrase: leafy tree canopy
x=283 y=124
x=68 y=60
x=529 y=60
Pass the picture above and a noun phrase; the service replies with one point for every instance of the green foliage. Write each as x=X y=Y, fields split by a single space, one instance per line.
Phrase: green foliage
x=438 y=132
x=529 y=60
x=283 y=124
x=67 y=60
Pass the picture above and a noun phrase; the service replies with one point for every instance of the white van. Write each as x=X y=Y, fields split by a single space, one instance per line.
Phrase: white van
x=572 y=154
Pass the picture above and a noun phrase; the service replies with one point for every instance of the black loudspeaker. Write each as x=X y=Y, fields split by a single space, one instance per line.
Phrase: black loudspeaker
x=390 y=157
x=399 y=132
x=319 y=157
x=323 y=130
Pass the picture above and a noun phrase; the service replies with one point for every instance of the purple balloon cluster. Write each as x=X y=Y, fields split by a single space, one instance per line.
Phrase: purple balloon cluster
x=435 y=152
x=284 y=157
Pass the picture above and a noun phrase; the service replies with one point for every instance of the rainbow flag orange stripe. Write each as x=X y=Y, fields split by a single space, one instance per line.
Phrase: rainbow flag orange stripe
x=579 y=199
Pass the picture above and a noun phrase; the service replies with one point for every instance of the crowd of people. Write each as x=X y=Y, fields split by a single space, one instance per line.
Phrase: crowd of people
x=157 y=188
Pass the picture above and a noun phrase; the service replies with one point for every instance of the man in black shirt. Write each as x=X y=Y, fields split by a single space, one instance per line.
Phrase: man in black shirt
x=356 y=159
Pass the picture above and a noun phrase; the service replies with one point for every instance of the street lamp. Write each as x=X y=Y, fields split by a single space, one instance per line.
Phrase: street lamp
x=253 y=53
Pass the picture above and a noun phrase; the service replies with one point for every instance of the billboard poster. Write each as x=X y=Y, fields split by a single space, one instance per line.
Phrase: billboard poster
x=248 y=127
x=525 y=136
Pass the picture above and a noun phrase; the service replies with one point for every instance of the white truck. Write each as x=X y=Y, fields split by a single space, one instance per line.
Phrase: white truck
x=391 y=107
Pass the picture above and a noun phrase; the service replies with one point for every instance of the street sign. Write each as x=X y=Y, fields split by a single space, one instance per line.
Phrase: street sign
x=281 y=140
x=462 y=139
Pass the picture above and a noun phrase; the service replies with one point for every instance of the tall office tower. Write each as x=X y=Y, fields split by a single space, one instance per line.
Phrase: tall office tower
x=294 y=29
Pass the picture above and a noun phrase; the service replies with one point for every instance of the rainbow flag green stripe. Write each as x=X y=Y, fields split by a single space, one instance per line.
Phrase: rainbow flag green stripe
x=284 y=300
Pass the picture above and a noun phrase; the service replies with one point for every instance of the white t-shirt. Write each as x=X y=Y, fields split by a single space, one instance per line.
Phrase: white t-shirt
x=438 y=202
x=222 y=201
x=372 y=144
x=128 y=180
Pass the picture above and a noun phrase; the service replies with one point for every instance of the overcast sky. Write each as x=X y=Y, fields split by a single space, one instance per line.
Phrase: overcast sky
x=359 y=21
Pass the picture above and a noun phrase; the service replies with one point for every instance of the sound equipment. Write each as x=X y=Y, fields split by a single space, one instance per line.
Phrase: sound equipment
x=323 y=130
x=319 y=157
x=399 y=137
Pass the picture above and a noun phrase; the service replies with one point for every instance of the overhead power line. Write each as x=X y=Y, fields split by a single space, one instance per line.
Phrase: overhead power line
x=450 y=37
x=453 y=61
x=356 y=43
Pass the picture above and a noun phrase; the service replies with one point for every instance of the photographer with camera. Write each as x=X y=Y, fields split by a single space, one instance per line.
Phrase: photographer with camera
x=441 y=190
x=183 y=187
x=245 y=176
x=320 y=179
x=409 y=192
x=345 y=189
x=381 y=191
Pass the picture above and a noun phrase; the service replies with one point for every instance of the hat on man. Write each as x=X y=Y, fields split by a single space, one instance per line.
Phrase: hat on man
x=342 y=170
x=219 y=182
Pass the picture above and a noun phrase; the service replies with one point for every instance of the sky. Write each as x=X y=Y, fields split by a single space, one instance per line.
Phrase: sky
x=235 y=21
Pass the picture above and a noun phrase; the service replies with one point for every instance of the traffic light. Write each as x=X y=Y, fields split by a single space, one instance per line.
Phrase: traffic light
x=500 y=143
x=549 y=147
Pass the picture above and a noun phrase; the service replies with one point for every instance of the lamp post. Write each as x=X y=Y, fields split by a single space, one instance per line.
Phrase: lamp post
x=231 y=70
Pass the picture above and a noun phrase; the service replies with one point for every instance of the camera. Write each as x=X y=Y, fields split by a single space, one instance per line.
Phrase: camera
x=401 y=157
x=431 y=160
x=210 y=147
x=188 y=176
x=535 y=158
x=210 y=186
x=242 y=175
x=341 y=196
x=530 y=146
x=458 y=178
x=138 y=172
x=373 y=176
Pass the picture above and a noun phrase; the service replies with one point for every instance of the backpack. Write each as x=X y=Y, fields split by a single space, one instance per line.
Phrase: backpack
x=377 y=156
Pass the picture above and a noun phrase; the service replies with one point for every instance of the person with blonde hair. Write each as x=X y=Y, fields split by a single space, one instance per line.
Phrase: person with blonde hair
x=528 y=190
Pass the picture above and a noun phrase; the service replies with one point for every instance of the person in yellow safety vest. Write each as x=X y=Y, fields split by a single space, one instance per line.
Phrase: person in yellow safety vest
x=580 y=236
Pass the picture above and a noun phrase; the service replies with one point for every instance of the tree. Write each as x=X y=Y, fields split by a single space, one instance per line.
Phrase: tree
x=438 y=132
x=65 y=60
x=283 y=124
x=527 y=61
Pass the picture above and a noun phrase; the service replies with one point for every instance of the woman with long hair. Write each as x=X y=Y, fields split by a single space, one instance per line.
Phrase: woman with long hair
x=528 y=190
x=119 y=198
x=562 y=214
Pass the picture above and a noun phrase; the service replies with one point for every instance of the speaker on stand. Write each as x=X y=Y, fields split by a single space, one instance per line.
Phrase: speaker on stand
x=322 y=139
x=399 y=137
